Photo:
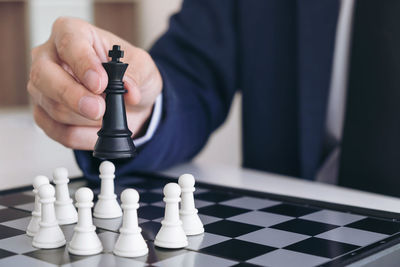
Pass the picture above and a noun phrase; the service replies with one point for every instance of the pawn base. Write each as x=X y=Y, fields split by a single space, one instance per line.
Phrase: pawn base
x=191 y=223
x=66 y=214
x=171 y=245
x=88 y=252
x=130 y=244
x=107 y=209
x=33 y=226
x=85 y=242
x=48 y=245
x=49 y=236
x=194 y=231
x=131 y=254
x=67 y=221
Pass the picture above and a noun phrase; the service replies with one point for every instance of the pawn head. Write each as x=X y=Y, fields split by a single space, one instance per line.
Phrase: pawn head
x=107 y=167
x=84 y=194
x=186 y=180
x=172 y=190
x=40 y=180
x=46 y=191
x=130 y=196
x=60 y=174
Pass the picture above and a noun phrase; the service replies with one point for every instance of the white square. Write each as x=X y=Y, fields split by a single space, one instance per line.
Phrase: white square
x=273 y=237
x=250 y=203
x=333 y=217
x=352 y=236
x=260 y=218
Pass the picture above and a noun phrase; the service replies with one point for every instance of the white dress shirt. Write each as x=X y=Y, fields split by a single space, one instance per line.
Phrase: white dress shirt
x=336 y=108
x=154 y=122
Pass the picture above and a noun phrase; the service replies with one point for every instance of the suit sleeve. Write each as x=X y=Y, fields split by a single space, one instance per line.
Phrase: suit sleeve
x=197 y=60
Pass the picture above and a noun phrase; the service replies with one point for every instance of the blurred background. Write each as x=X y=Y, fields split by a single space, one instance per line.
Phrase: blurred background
x=24 y=149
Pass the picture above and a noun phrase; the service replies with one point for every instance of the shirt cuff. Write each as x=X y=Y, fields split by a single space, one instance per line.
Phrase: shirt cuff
x=154 y=122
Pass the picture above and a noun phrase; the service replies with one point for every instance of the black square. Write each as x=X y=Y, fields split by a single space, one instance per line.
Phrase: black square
x=222 y=211
x=215 y=196
x=150 y=212
x=290 y=210
x=16 y=199
x=10 y=214
x=149 y=185
x=149 y=197
x=5 y=254
x=58 y=256
x=230 y=228
x=6 y=232
x=322 y=247
x=304 y=227
x=118 y=190
x=376 y=225
x=237 y=250
x=150 y=230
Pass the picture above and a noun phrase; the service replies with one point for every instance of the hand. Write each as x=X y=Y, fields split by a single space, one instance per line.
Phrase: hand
x=67 y=81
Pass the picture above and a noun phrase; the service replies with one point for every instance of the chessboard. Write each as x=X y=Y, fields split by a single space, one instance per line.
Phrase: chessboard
x=242 y=228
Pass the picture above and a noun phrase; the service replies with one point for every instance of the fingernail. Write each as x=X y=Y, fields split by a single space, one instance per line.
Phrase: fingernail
x=91 y=80
x=89 y=107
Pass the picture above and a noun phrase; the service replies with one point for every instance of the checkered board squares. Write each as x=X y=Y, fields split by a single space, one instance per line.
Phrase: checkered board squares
x=240 y=230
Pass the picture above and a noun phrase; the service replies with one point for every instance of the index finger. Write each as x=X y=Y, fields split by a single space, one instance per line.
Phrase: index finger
x=54 y=82
x=77 y=47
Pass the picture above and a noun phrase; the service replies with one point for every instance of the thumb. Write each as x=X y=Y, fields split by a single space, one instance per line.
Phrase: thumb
x=142 y=79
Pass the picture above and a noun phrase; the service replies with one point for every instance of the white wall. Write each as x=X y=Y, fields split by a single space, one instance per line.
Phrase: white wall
x=225 y=144
x=42 y=14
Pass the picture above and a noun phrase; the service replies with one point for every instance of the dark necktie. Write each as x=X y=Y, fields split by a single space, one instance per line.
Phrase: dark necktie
x=370 y=158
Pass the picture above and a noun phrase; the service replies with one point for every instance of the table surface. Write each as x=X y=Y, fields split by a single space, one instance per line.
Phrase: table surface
x=26 y=151
x=283 y=185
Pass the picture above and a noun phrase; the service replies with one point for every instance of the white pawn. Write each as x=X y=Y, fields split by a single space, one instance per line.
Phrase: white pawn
x=192 y=224
x=33 y=226
x=49 y=234
x=85 y=240
x=171 y=234
x=130 y=242
x=65 y=210
x=107 y=206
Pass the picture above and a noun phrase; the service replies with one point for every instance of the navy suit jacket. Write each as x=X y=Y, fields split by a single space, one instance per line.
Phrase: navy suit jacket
x=278 y=53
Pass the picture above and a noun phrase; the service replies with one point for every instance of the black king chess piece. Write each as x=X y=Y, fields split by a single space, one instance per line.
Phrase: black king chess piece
x=115 y=140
